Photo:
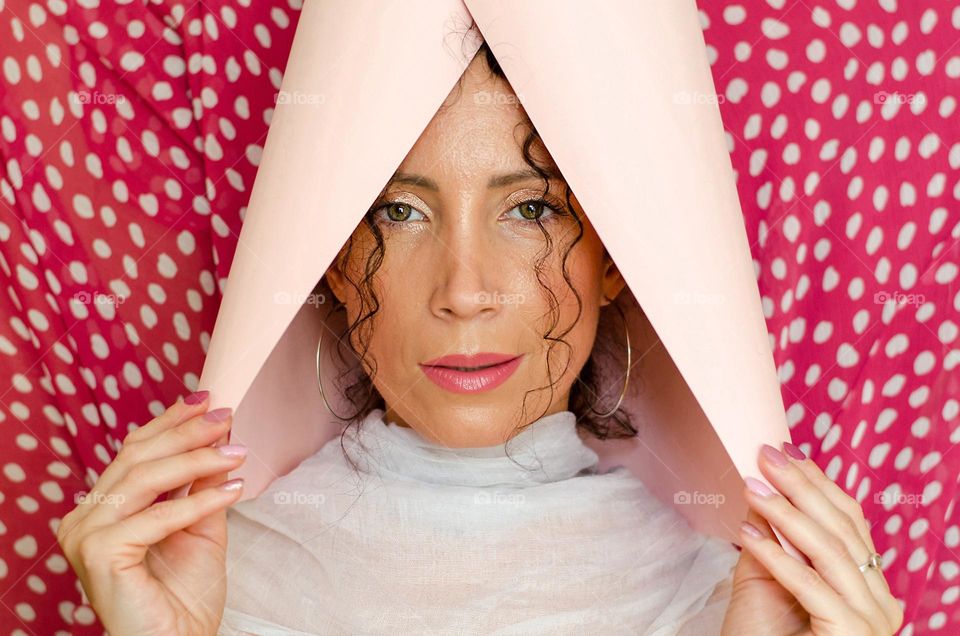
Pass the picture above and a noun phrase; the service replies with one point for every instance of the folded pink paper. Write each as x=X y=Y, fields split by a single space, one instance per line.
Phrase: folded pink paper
x=621 y=94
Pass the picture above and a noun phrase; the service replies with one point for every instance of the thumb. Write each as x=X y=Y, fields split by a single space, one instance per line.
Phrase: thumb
x=748 y=567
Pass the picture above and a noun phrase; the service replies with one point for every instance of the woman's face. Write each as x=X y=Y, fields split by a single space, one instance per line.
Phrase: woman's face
x=458 y=276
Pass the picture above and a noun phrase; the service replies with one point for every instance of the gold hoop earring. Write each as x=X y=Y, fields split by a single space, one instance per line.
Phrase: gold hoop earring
x=320 y=378
x=626 y=378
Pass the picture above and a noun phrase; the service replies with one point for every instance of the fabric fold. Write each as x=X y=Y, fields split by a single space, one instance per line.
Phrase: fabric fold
x=391 y=533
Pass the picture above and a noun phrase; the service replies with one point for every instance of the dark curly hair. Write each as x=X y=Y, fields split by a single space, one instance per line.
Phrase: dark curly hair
x=361 y=391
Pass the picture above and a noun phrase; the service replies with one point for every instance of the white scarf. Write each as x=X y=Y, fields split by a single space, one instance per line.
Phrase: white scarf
x=426 y=539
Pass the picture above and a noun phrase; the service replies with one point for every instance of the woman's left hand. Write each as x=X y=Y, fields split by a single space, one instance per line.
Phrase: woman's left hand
x=774 y=593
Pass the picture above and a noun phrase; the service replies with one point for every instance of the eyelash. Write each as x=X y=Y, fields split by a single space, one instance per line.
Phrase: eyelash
x=556 y=208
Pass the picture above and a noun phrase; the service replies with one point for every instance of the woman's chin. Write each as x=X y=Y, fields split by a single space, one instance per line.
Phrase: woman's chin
x=462 y=426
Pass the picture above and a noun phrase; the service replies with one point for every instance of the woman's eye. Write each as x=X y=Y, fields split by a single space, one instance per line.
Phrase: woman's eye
x=400 y=212
x=533 y=210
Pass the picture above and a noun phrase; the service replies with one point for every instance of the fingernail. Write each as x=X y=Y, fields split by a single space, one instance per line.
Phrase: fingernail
x=233 y=484
x=196 y=398
x=776 y=457
x=233 y=450
x=217 y=415
x=793 y=451
x=757 y=487
x=750 y=529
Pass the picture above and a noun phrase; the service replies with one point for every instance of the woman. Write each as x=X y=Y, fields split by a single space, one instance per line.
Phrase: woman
x=463 y=500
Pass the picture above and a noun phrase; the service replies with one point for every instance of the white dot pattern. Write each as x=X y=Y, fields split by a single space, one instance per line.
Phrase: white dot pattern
x=844 y=140
x=130 y=133
x=126 y=154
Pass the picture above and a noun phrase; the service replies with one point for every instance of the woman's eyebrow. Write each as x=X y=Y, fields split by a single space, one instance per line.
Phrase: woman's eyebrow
x=521 y=175
x=494 y=182
x=415 y=180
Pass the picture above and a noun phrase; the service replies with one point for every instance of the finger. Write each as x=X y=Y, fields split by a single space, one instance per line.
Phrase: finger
x=183 y=408
x=810 y=499
x=175 y=436
x=212 y=526
x=827 y=552
x=141 y=486
x=749 y=568
x=200 y=430
x=845 y=519
x=756 y=519
x=837 y=496
x=154 y=524
x=852 y=509
x=816 y=596
x=877 y=584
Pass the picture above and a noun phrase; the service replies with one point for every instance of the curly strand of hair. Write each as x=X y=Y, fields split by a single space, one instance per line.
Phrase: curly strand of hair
x=362 y=326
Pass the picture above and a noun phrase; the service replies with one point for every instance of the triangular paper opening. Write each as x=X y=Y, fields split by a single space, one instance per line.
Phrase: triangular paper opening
x=612 y=113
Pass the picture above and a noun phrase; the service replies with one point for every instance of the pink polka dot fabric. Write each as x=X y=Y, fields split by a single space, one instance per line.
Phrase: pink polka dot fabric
x=842 y=127
x=130 y=133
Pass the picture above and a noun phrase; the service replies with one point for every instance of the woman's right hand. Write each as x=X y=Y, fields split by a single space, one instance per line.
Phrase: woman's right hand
x=158 y=568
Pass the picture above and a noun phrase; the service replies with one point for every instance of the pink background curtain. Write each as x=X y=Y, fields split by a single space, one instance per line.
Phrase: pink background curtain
x=130 y=135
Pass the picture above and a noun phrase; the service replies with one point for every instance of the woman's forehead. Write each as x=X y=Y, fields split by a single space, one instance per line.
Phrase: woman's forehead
x=479 y=129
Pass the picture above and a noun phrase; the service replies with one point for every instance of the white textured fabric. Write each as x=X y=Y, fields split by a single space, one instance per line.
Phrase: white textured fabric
x=426 y=539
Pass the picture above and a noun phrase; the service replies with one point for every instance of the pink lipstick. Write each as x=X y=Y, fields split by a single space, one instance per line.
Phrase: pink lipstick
x=471 y=373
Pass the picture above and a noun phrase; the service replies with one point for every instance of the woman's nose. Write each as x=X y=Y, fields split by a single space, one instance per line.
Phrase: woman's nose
x=467 y=282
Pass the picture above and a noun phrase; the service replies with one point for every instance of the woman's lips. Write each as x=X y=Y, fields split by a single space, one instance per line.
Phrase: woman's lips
x=484 y=359
x=475 y=380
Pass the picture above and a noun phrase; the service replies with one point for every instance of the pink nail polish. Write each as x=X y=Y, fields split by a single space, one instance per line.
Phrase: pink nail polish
x=758 y=487
x=196 y=398
x=793 y=451
x=751 y=530
x=776 y=457
x=218 y=415
x=233 y=450
x=233 y=484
